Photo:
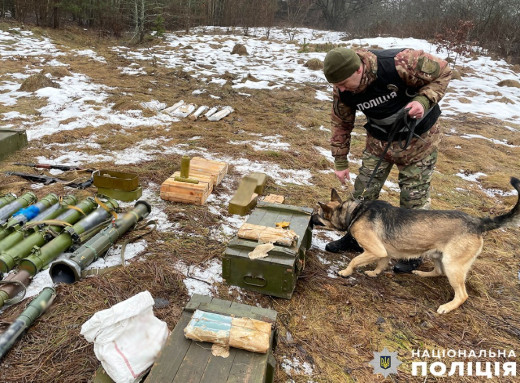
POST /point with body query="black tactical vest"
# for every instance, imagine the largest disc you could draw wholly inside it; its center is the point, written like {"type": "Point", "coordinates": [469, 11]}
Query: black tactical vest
{"type": "Point", "coordinates": [385, 97]}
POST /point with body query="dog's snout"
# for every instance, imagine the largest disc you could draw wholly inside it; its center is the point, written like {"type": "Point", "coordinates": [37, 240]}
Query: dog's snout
{"type": "Point", "coordinates": [315, 221]}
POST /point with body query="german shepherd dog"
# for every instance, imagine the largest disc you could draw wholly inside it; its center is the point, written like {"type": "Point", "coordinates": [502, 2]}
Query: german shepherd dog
{"type": "Point", "coordinates": [452, 239]}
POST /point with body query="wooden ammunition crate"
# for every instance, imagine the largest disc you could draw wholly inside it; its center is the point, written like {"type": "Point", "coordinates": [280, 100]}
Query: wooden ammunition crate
{"type": "Point", "coordinates": [209, 174]}
{"type": "Point", "coordinates": [183, 360]}
{"type": "Point", "coordinates": [277, 273]}
{"type": "Point", "coordinates": [186, 192]}
{"type": "Point", "coordinates": [216, 169]}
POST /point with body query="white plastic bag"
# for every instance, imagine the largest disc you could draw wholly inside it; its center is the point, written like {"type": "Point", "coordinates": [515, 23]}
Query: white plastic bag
{"type": "Point", "coordinates": [127, 337]}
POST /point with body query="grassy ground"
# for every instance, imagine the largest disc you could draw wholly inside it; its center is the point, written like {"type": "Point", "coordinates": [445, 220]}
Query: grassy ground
{"type": "Point", "coordinates": [333, 324]}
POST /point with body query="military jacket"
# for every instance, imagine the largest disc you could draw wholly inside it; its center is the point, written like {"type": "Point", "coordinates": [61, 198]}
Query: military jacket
{"type": "Point", "coordinates": [412, 74]}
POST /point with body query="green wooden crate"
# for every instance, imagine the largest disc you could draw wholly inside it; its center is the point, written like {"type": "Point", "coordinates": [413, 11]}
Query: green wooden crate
{"type": "Point", "coordinates": [185, 361]}
{"type": "Point", "coordinates": [277, 273]}
{"type": "Point", "coordinates": [11, 140]}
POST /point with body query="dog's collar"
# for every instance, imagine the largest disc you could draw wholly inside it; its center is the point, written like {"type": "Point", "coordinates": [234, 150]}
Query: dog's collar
{"type": "Point", "coordinates": [356, 213]}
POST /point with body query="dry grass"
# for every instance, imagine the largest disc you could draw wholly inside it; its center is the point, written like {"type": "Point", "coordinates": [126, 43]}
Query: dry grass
{"type": "Point", "coordinates": [332, 323]}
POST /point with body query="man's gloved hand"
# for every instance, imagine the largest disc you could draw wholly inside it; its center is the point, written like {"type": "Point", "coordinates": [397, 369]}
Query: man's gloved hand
{"type": "Point", "coordinates": [416, 109]}
{"type": "Point", "coordinates": [342, 175]}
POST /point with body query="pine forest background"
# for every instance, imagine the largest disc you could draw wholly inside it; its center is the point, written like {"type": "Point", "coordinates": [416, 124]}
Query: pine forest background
{"type": "Point", "coordinates": [459, 23]}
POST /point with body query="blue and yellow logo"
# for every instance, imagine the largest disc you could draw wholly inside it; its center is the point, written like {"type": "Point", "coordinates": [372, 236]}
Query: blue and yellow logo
{"type": "Point", "coordinates": [385, 362]}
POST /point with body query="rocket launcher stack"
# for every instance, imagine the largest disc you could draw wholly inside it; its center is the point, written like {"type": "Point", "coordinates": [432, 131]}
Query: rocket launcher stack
{"type": "Point", "coordinates": [9, 258]}
{"type": "Point", "coordinates": [41, 257]}
{"type": "Point", "coordinates": [12, 207]}
{"type": "Point", "coordinates": [4, 200]}
{"type": "Point", "coordinates": [25, 214]}
{"type": "Point", "coordinates": [19, 233]}
{"type": "Point", "coordinates": [68, 270]}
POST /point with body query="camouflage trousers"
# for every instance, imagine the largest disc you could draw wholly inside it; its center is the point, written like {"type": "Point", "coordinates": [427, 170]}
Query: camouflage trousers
{"type": "Point", "coordinates": [415, 164]}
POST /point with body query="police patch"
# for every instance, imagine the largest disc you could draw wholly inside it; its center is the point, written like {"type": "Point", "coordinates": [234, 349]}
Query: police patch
{"type": "Point", "coordinates": [428, 66]}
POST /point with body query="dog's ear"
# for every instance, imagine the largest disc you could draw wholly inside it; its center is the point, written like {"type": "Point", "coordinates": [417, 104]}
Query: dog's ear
{"type": "Point", "coordinates": [326, 209]}
{"type": "Point", "coordinates": [334, 196]}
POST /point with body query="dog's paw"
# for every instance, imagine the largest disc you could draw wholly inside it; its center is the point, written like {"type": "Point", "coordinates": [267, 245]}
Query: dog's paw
{"type": "Point", "coordinates": [444, 309]}
{"type": "Point", "coordinates": [344, 273]}
{"type": "Point", "coordinates": [371, 273]}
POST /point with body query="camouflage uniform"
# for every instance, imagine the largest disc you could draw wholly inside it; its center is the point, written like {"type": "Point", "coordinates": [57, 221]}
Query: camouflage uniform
{"type": "Point", "coordinates": [420, 70]}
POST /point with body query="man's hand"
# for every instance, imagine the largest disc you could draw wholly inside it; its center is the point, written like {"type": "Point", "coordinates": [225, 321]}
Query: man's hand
{"type": "Point", "coordinates": [416, 109]}
{"type": "Point", "coordinates": [342, 175]}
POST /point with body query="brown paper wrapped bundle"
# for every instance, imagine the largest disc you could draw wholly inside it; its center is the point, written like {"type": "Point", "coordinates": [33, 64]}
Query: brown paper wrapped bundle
{"type": "Point", "coordinates": [267, 234]}
{"type": "Point", "coordinates": [250, 334]}
{"type": "Point", "coordinates": [245, 333]}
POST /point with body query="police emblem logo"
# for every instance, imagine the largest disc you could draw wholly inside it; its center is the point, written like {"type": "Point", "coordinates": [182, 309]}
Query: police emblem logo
{"type": "Point", "coordinates": [385, 362]}
{"type": "Point", "coordinates": [392, 87]}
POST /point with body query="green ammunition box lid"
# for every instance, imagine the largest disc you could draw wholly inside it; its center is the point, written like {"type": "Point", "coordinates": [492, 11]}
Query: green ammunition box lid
{"type": "Point", "coordinates": [122, 195]}
{"type": "Point", "coordinates": [185, 360]}
{"type": "Point", "coordinates": [112, 179]}
{"type": "Point", "coordinates": [11, 140]}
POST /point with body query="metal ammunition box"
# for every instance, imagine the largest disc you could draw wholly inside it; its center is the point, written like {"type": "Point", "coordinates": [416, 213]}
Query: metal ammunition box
{"type": "Point", "coordinates": [183, 360]}
{"type": "Point", "coordinates": [111, 179]}
{"type": "Point", "coordinates": [277, 273]}
{"type": "Point", "coordinates": [11, 140]}
{"type": "Point", "coordinates": [122, 195]}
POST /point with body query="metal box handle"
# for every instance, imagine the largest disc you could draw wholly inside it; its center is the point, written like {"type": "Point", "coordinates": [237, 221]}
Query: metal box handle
{"type": "Point", "coordinates": [262, 281]}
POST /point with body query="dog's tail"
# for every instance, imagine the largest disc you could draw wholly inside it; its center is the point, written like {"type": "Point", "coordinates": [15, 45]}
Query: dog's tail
{"type": "Point", "coordinates": [512, 218]}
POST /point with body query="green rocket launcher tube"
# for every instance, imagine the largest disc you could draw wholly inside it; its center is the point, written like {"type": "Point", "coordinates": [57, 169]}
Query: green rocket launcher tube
{"type": "Point", "coordinates": [41, 257]}
{"type": "Point", "coordinates": [26, 214]}
{"type": "Point", "coordinates": [12, 285]}
{"type": "Point", "coordinates": [36, 308]}
{"type": "Point", "coordinates": [68, 270]}
{"type": "Point", "coordinates": [19, 203]}
{"type": "Point", "coordinates": [19, 233]}
{"type": "Point", "coordinates": [9, 197]}
{"type": "Point", "coordinates": [10, 257]}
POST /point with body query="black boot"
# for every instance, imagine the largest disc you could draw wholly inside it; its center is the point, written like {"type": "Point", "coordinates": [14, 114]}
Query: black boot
{"type": "Point", "coordinates": [407, 265]}
{"type": "Point", "coordinates": [345, 243]}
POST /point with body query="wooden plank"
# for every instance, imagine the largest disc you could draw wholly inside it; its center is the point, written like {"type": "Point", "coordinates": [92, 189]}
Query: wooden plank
{"type": "Point", "coordinates": [219, 303]}
{"type": "Point", "coordinates": [218, 368]}
{"type": "Point", "coordinates": [172, 190]}
{"type": "Point", "coordinates": [194, 363]}
{"type": "Point", "coordinates": [195, 301]}
{"type": "Point", "coordinates": [274, 198]}
{"type": "Point", "coordinates": [171, 356]}
{"type": "Point", "coordinates": [201, 177]}
{"type": "Point", "coordinates": [266, 315]}
{"type": "Point", "coordinates": [217, 169]}
{"type": "Point", "coordinates": [186, 361]}
{"type": "Point", "coordinates": [248, 367]}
